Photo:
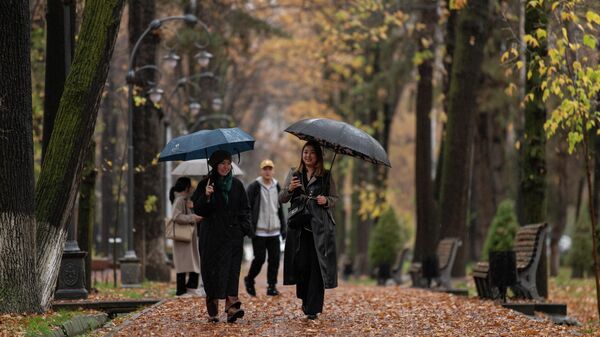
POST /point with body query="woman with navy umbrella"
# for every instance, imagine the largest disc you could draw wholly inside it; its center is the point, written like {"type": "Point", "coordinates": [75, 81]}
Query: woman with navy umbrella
{"type": "Point", "coordinates": [221, 200]}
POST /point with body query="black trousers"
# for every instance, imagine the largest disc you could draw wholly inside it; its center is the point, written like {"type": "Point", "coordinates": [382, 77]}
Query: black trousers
{"type": "Point", "coordinates": [309, 282]}
{"type": "Point", "coordinates": [192, 282]}
{"type": "Point", "coordinates": [261, 246]}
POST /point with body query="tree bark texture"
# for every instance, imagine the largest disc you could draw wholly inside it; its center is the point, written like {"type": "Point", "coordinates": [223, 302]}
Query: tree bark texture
{"type": "Point", "coordinates": [533, 178]}
{"type": "Point", "coordinates": [74, 125]}
{"type": "Point", "coordinates": [471, 33]}
{"type": "Point", "coordinates": [427, 227]}
{"type": "Point", "coordinates": [85, 219]}
{"type": "Point", "coordinates": [60, 42]}
{"type": "Point", "coordinates": [147, 142]}
{"type": "Point", "coordinates": [18, 282]}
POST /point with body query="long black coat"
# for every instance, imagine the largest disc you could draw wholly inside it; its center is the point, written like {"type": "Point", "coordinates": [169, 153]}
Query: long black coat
{"type": "Point", "coordinates": [221, 236]}
{"type": "Point", "coordinates": [323, 230]}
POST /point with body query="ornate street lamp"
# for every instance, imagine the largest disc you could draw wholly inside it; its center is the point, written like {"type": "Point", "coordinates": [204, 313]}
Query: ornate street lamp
{"type": "Point", "coordinates": [217, 104]}
{"type": "Point", "coordinates": [171, 59]}
{"type": "Point", "coordinates": [194, 108]}
{"type": "Point", "coordinates": [131, 271]}
{"type": "Point", "coordinates": [155, 94]}
{"type": "Point", "coordinates": [203, 58]}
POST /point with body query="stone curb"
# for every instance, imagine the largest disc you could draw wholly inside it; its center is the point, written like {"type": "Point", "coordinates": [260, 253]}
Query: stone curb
{"type": "Point", "coordinates": [78, 325]}
{"type": "Point", "coordinates": [133, 318]}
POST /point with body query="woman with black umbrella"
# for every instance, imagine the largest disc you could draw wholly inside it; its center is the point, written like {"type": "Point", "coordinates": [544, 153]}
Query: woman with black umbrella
{"type": "Point", "coordinates": [221, 200]}
{"type": "Point", "coordinates": [310, 254]}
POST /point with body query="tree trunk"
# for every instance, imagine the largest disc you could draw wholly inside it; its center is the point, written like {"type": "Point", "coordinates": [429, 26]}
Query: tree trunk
{"type": "Point", "coordinates": [60, 41]}
{"type": "Point", "coordinates": [483, 198]}
{"type": "Point", "coordinates": [427, 229]}
{"type": "Point", "coordinates": [85, 219]}
{"type": "Point", "coordinates": [596, 201]}
{"type": "Point", "coordinates": [74, 126]}
{"type": "Point", "coordinates": [533, 178]}
{"type": "Point", "coordinates": [109, 160]}
{"type": "Point", "coordinates": [560, 206]}
{"type": "Point", "coordinates": [447, 61]}
{"type": "Point", "coordinates": [364, 176]}
{"type": "Point", "coordinates": [148, 224]}
{"type": "Point", "coordinates": [18, 275]}
{"type": "Point", "coordinates": [471, 32]}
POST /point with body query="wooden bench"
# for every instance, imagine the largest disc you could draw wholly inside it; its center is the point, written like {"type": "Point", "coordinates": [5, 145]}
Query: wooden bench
{"type": "Point", "coordinates": [528, 246]}
{"type": "Point", "coordinates": [101, 269]}
{"type": "Point", "coordinates": [446, 254]}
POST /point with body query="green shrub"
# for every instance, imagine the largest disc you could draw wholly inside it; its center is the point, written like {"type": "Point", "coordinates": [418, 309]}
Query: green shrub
{"type": "Point", "coordinates": [503, 229]}
{"type": "Point", "coordinates": [580, 255]}
{"type": "Point", "coordinates": [386, 239]}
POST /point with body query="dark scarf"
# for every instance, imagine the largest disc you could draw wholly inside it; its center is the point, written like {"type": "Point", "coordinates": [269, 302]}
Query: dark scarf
{"type": "Point", "coordinates": [224, 184]}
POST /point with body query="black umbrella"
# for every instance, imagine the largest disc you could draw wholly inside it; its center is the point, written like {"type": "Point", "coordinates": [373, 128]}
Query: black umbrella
{"type": "Point", "coordinates": [342, 138]}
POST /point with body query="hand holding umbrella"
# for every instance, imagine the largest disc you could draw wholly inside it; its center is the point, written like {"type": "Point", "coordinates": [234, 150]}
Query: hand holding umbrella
{"type": "Point", "coordinates": [209, 189]}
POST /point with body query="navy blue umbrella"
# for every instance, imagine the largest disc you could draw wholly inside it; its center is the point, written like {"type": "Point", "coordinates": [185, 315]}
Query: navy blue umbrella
{"type": "Point", "coordinates": [203, 143]}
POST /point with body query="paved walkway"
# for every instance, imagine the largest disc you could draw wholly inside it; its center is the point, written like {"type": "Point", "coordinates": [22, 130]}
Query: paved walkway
{"type": "Point", "coordinates": [350, 310]}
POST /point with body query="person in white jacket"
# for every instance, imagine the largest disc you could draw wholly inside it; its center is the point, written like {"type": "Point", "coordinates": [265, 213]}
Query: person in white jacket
{"type": "Point", "coordinates": [185, 254]}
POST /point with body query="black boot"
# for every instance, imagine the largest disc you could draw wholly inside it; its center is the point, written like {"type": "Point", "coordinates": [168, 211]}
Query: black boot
{"type": "Point", "coordinates": [272, 290]}
{"type": "Point", "coordinates": [181, 289]}
{"type": "Point", "coordinates": [249, 286]}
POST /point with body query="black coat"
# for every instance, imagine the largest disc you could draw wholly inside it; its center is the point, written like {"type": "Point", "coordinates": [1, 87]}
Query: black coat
{"type": "Point", "coordinates": [220, 236]}
{"type": "Point", "coordinates": [323, 230]}
{"type": "Point", "coordinates": [254, 198]}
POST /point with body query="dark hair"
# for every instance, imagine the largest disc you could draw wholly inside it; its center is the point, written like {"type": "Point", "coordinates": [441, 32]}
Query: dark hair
{"type": "Point", "coordinates": [181, 185]}
{"type": "Point", "coordinates": [319, 167]}
{"type": "Point", "coordinates": [218, 157]}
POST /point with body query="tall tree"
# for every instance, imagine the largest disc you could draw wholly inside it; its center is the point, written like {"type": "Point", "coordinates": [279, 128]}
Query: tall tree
{"type": "Point", "coordinates": [85, 218]}
{"type": "Point", "coordinates": [18, 278]}
{"type": "Point", "coordinates": [108, 153]}
{"type": "Point", "coordinates": [427, 228]}
{"type": "Point", "coordinates": [147, 141]}
{"type": "Point", "coordinates": [73, 129]}
{"type": "Point", "coordinates": [533, 155]}
{"type": "Point", "coordinates": [471, 35]}
{"type": "Point", "coordinates": [495, 111]}
{"type": "Point", "coordinates": [60, 41]}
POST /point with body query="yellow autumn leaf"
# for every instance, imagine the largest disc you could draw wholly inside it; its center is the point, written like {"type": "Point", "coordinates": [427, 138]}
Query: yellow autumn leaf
{"type": "Point", "coordinates": [592, 17]}
{"type": "Point", "coordinates": [457, 4]}
{"type": "Point", "coordinates": [541, 33]}
{"type": "Point", "coordinates": [519, 64]}
{"type": "Point", "coordinates": [531, 41]}
{"type": "Point", "coordinates": [510, 89]}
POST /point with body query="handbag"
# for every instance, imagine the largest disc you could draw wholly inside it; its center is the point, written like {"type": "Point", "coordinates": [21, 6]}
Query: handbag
{"type": "Point", "coordinates": [298, 215]}
{"type": "Point", "coordinates": [178, 232]}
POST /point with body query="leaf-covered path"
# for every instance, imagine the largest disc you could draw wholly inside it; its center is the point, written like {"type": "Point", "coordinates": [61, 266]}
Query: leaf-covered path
{"type": "Point", "coordinates": [350, 310]}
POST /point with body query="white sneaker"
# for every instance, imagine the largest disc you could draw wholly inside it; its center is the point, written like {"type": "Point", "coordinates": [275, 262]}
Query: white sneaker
{"type": "Point", "coordinates": [196, 292]}
{"type": "Point", "coordinates": [184, 295]}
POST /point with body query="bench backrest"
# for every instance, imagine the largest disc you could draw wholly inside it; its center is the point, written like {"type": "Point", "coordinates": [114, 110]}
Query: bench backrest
{"type": "Point", "coordinates": [527, 244]}
{"type": "Point", "coordinates": [444, 251]}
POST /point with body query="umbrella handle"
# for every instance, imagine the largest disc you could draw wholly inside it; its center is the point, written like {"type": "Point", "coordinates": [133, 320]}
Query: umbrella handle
{"type": "Point", "coordinates": [327, 181]}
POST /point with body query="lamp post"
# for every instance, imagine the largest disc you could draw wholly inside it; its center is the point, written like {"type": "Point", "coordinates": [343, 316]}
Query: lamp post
{"type": "Point", "coordinates": [195, 104]}
{"type": "Point", "coordinates": [206, 100]}
{"type": "Point", "coordinates": [131, 271]}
